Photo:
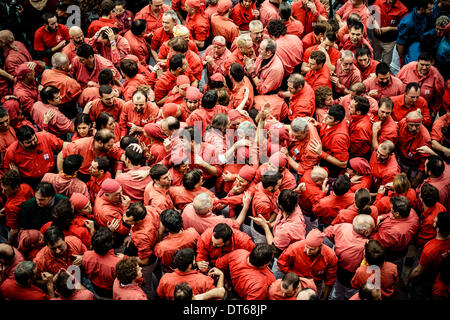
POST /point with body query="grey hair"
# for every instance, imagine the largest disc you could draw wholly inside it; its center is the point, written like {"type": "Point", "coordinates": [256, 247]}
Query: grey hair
{"type": "Point", "coordinates": [347, 53]}
{"type": "Point", "coordinates": [244, 39]}
{"type": "Point", "coordinates": [413, 114]}
{"type": "Point", "coordinates": [24, 272]}
{"type": "Point", "coordinates": [172, 14]}
{"type": "Point", "coordinates": [220, 39]}
{"type": "Point", "coordinates": [246, 129]}
{"type": "Point", "coordinates": [363, 223]}
{"type": "Point", "coordinates": [442, 21]}
{"type": "Point", "coordinates": [271, 45]}
{"type": "Point", "coordinates": [297, 80]}
{"type": "Point", "coordinates": [58, 59]}
{"type": "Point", "coordinates": [202, 201]}
{"type": "Point", "coordinates": [299, 124]}
{"type": "Point", "coordinates": [254, 24]}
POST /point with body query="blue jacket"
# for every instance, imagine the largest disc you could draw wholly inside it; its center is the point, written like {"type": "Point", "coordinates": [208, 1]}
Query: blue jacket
{"type": "Point", "coordinates": [411, 28]}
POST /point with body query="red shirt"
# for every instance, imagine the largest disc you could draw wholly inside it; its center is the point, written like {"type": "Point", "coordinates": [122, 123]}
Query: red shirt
{"type": "Point", "coordinates": [441, 183]}
{"type": "Point", "coordinates": [199, 283]}
{"type": "Point", "coordinates": [68, 87]}
{"type": "Point", "coordinates": [426, 230]}
{"type": "Point", "coordinates": [147, 14]}
{"type": "Point", "coordinates": [164, 85]}
{"type": "Point", "coordinates": [388, 131]}
{"type": "Point", "coordinates": [14, 203]}
{"type": "Point", "coordinates": [64, 185]}
{"type": "Point", "coordinates": [302, 103]}
{"type": "Point", "coordinates": [78, 295]}
{"type": "Point", "coordinates": [71, 50]}
{"type": "Point", "coordinates": [400, 110]}
{"type": "Point", "coordinates": [58, 125]}
{"type": "Point", "coordinates": [436, 131]}
{"type": "Point", "coordinates": [182, 197]}
{"type": "Point", "coordinates": [319, 78]}
{"type": "Point", "coordinates": [34, 164]}
{"type": "Point", "coordinates": [275, 293]}
{"type": "Point", "coordinates": [312, 195]}
{"type": "Point", "coordinates": [44, 39]}
{"type": "Point", "coordinates": [115, 55]}
{"type": "Point", "coordinates": [294, 27]}
{"type": "Point", "coordinates": [101, 270]}
{"type": "Point", "coordinates": [346, 44]}
{"type": "Point", "coordinates": [166, 248]}
{"type": "Point", "coordinates": [433, 253]}
{"type": "Point", "coordinates": [309, 40]}
{"type": "Point", "coordinates": [360, 135]}
{"type": "Point", "coordinates": [105, 212]}
{"type": "Point", "coordinates": [347, 215]}
{"type": "Point", "coordinates": [321, 267]}
{"type": "Point", "coordinates": [268, 11]}
{"type": "Point", "coordinates": [157, 198]}
{"type": "Point", "coordinates": [299, 151]}
{"type": "Point", "coordinates": [394, 88]}
{"type": "Point", "coordinates": [131, 187]}
{"type": "Point", "coordinates": [249, 282]}
{"type": "Point", "coordinates": [198, 25]}
{"type": "Point", "coordinates": [431, 85]}
{"type": "Point", "coordinates": [369, 70]}
{"type": "Point", "coordinates": [383, 172]}
{"type": "Point", "coordinates": [159, 37]}
{"type": "Point", "coordinates": [306, 16]}
{"type": "Point", "coordinates": [383, 203]}
{"type": "Point", "coordinates": [202, 222]}
{"type": "Point", "coordinates": [6, 139]}
{"type": "Point", "coordinates": [346, 79]}
{"type": "Point", "coordinates": [225, 27]}
{"type": "Point", "coordinates": [270, 76]}
{"type": "Point", "coordinates": [81, 232]}
{"type": "Point", "coordinates": [396, 234]}
{"type": "Point", "coordinates": [138, 47]}
{"type": "Point", "coordinates": [348, 245]}
{"type": "Point", "coordinates": [8, 269]}
{"type": "Point", "coordinates": [264, 203]}
{"type": "Point", "coordinates": [130, 85]}
{"type": "Point", "coordinates": [82, 75]}
{"type": "Point", "coordinates": [202, 117]}
{"type": "Point", "coordinates": [328, 208]}
{"type": "Point", "coordinates": [290, 52]}
{"type": "Point", "coordinates": [348, 8]}
{"type": "Point", "coordinates": [390, 14]}
{"type": "Point", "coordinates": [129, 114]}
{"type": "Point", "coordinates": [46, 262]}
{"type": "Point", "coordinates": [130, 291]}
{"type": "Point", "coordinates": [98, 107]}
{"type": "Point", "coordinates": [388, 278]}
{"type": "Point", "coordinates": [336, 140]}
{"type": "Point", "coordinates": [333, 53]}
{"type": "Point", "coordinates": [95, 185]}
{"type": "Point", "coordinates": [27, 95]}
{"type": "Point", "coordinates": [11, 290]}
{"type": "Point", "coordinates": [207, 252]}
{"type": "Point", "coordinates": [14, 58]}
{"type": "Point", "coordinates": [407, 145]}
{"type": "Point", "coordinates": [144, 234]}
{"type": "Point", "coordinates": [96, 25]}
{"type": "Point", "coordinates": [242, 16]}
{"type": "Point", "coordinates": [85, 147]}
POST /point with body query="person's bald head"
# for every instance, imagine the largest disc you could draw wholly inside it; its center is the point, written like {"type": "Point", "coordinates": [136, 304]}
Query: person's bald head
{"type": "Point", "coordinates": [307, 294]}
{"type": "Point", "coordinates": [60, 61]}
{"type": "Point", "coordinates": [387, 145]}
{"type": "Point", "coordinates": [6, 38]}
{"type": "Point", "coordinates": [76, 35]}
{"type": "Point", "coordinates": [6, 253]}
{"type": "Point", "coordinates": [220, 39]}
{"type": "Point", "coordinates": [318, 175]}
{"type": "Point", "coordinates": [202, 203]}
{"type": "Point", "coordinates": [363, 224]}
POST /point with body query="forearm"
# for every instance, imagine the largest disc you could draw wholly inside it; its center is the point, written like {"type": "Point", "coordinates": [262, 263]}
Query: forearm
{"type": "Point", "coordinates": [401, 50]}
{"type": "Point", "coordinates": [242, 215]}
{"type": "Point", "coordinates": [212, 170]}
{"type": "Point", "coordinates": [325, 293]}
{"type": "Point", "coordinates": [59, 161]}
{"type": "Point", "coordinates": [293, 164]}
{"type": "Point", "coordinates": [336, 162]}
{"type": "Point", "coordinates": [6, 75]}
{"type": "Point", "coordinates": [269, 235]}
{"type": "Point", "coordinates": [154, 55]}
{"type": "Point", "coordinates": [438, 147]}
{"type": "Point", "coordinates": [374, 140]}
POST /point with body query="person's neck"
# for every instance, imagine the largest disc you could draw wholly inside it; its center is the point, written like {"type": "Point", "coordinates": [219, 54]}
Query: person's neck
{"type": "Point", "coordinates": [441, 237]}
{"type": "Point", "coordinates": [157, 185]}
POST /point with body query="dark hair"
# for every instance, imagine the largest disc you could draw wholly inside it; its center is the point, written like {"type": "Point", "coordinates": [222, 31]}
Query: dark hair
{"type": "Point", "coordinates": [104, 89]}
{"type": "Point", "coordinates": [178, 44]}
{"type": "Point", "coordinates": [334, 25]}
{"type": "Point", "coordinates": [183, 258]}
{"type": "Point", "coordinates": [85, 51]}
{"type": "Point", "coordinates": [330, 35]}
{"type": "Point", "coordinates": [47, 15]}
{"type": "Point", "coordinates": [374, 253]}
{"type": "Point", "coordinates": [72, 163]}
{"type": "Point", "coordinates": [103, 163]}
{"type": "Point", "coordinates": [319, 56]}
{"type": "Point", "coordinates": [171, 220]}
{"type": "Point", "coordinates": [365, 292]}
{"type": "Point", "coordinates": [12, 179]}
{"type": "Point", "coordinates": [363, 51]}
{"type": "Point", "coordinates": [45, 189]}
{"type": "Point", "coordinates": [290, 279]}
{"type": "Point", "coordinates": [157, 171]}
{"type": "Point", "coordinates": [24, 133]}
{"type": "Point", "coordinates": [182, 292]}
{"type": "Point", "coordinates": [386, 101]}
{"type": "Point", "coordinates": [83, 118]}
{"type": "Point", "coordinates": [435, 164]}
{"type": "Point", "coordinates": [219, 122]}
{"type": "Point", "coordinates": [191, 133]}
{"type": "Point", "coordinates": [136, 210]}
{"type": "Point", "coordinates": [136, 158]}
{"type": "Point", "coordinates": [337, 112]}
{"type": "Point", "coordinates": [209, 99]}
{"type": "Point", "coordinates": [138, 27]}
{"type": "Point", "coordinates": [176, 61]}
{"type": "Point", "coordinates": [287, 200]}
{"type": "Point", "coordinates": [357, 26]}
{"type": "Point", "coordinates": [102, 120]}
{"type": "Point", "coordinates": [261, 254]}
{"type": "Point", "coordinates": [223, 231]}
{"type": "Point", "coordinates": [129, 67]}
{"type": "Point", "coordinates": [401, 205]}
{"type": "Point", "coordinates": [237, 71]}
{"type": "Point", "coordinates": [423, 4]}
{"type": "Point", "coordinates": [125, 141]}
{"type": "Point", "coordinates": [285, 10]}
{"type": "Point", "coordinates": [106, 7]}
{"type": "Point", "coordinates": [362, 104]}
{"type": "Point", "coordinates": [443, 223]}
{"type": "Point", "coordinates": [362, 201]}
{"type": "Point", "coordinates": [48, 93]}
{"type": "Point", "coordinates": [126, 270]}
{"type": "Point", "coordinates": [24, 272]}
{"type": "Point", "coordinates": [61, 284]}
{"type": "Point", "coordinates": [411, 85]}
{"type": "Point", "coordinates": [53, 234]}
{"type": "Point", "coordinates": [270, 178]}
{"type": "Point", "coordinates": [382, 68]}
{"type": "Point", "coordinates": [3, 112]}
{"type": "Point", "coordinates": [63, 214]}
{"type": "Point", "coordinates": [102, 241]}
{"type": "Point", "coordinates": [276, 28]}
{"type": "Point", "coordinates": [429, 194]}
{"type": "Point", "coordinates": [191, 178]}
{"type": "Point", "coordinates": [105, 76]}
{"type": "Point", "coordinates": [320, 28]}
{"type": "Point", "coordinates": [341, 185]}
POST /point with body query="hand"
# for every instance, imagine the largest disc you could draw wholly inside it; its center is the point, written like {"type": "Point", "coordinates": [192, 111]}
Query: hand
{"type": "Point", "coordinates": [246, 92]}
{"type": "Point", "coordinates": [281, 94]}
{"type": "Point", "coordinates": [89, 224]}
{"type": "Point", "coordinates": [136, 147]}
{"type": "Point", "coordinates": [209, 60]}
{"type": "Point", "coordinates": [381, 189]}
{"type": "Point", "coordinates": [316, 147]}
{"type": "Point", "coordinates": [61, 44]}
{"type": "Point", "coordinates": [2, 212]}
{"type": "Point", "coordinates": [110, 33]}
{"type": "Point", "coordinates": [312, 6]}
{"type": "Point", "coordinates": [87, 107]}
{"type": "Point", "coordinates": [151, 95]}
{"type": "Point", "coordinates": [300, 188]}
{"type": "Point", "coordinates": [127, 241]}
{"type": "Point", "coordinates": [247, 199]}
{"type": "Point", "coordinates": [135, 129]}
{"type": "Point", "coordinates": [113, 225]}
{"type": "Point", "coordinates": [244, 113]}
{"type": "Point", "coordinates": [198, 159]}
{"type": "Point", "coordinates": [126, 201]}
{"type": "Point", "coordinates": [378, 30]}
{"type": "Point", "coordinates": [31, 65]}
{"type": "Point", "coordinates": [49, 116]}
{"type": "Point", "coordinates": [167, 144]}
{"type": "Point", "coordinates": [325, 186]}
{"type": "Point", "coordinates": [203, 266]}
{"type": "Point", "coordinates": [255, 14]}
{"type": "Point", "coordinates": [425, 149]}
{"type": "Point", "coordinates": [215, 272]}
{"type": "Point", "coordinates": [335, 80]}
{"type": "Point", "coordinates": [78, 259]}
{"type": "Point", "coordinates": [227, 176]}
{"type": "Point", "coordinates": [13, 166]}
{"type": "Point", "coordinates": [260, 221]}
{"type": "Point", "coordinates": [139, 175]}
{"type": "Point", "coordinates": [243, 143]}
{"type": "Point", "coordinates": [40, 87]}
{"type": "Point", "coordinates": [47, 277]}
{"type": "Point", "coordinates": [376, 126]}
{"type": "Point", "coordinates": [355, 179]}
{"type": "Point", "coordinates": [284, 151]}
{"type": "Point", "coordinates": [175, 90]}
{"type": "Point", "coordinates": [373, 93]}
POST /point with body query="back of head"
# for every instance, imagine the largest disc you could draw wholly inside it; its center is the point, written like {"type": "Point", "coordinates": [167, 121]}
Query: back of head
{"type": "Point", "coordinates": [261, 255]}
{"type": "Point", "coordinates": [276, 28]}
{"type": "Point", "coordinates": [202, 203]}
{"type": "Point", "coordinates": [183, 258]}
{"type": "Point", "coordinates": [223, 231]}
{"type": "Point", "coordinates": [299, 124]}
{"type": "Point", "coordinates": [129, 68]}
{"type": "Point", "coordinates": [237, 72]}
{"type": "Point", "coordinates": [341, 185]}
{"type": "Point", "coordinates": [362, 201]}
{"type": "Point", "coordinates": [24, 273]}
{"type": "Point", "coordinates": [63, 214]}
{"type": "Point", "coordinates": [382, 68]}
{"type": "Point", "coordinates": [363, 224]}
{"type": "Point", "coordinates": [61, 286]}
{"type": "Point", "coordinates": [179, 44]}
{"type": "Point", "coordinates": [307, 294]}
{"type": "Point", "coordinates": [375, 253]}
{"type": "Point", "coordinates": [45, 189]}
{"type": "Point", "coordinates": [126, 270]}
{"type": "Point", "coordinates": [136, 210]}
{"type": "Point", "coordinates": [443, 224]}
{"type": "Point", "coordinates": [106, 7]}
{"type": "Point", "coordinates": [104, 135]}
{"type": "Point", "coordinates": [362, 104]}
{"type": "Point", "coordinates": [191, 178]}
{"type": "Point", "coordinates": [388, 145]}
{"type": "Point", "coordinates": [48, 93]}
{"type": "Point", "coordinates": [12, 179]}
{"type": "Point", "coordinates": [401, 183]}
{"type": "Point", "coordinates": [7, 252]}
{"type": "Point", "coordinates": [176, 61]}
{"type": "Point", "coordinates": [105, 76]}
{"type": "Point", "coordinates": [270, 179]}
{"type": "Point", "coordinates": [285, 10]}
{"type": "Point", "coordinates": [72, 164]}
{"type": "Point", "coordinates": [287, 200]}
{"type": "Point", "coordinates": [290, 279]}
{"type": "Point", "coordinates": [365, 292]}
{"type": "Point", "coordinates": [171, 220]}
{"type": "Point", "coordinates": [85, 51]}
{"type": "Point", "coordinates": [401, 205]}
{"type": "Point", "coordinates": [102, 241]}
{"type": "Point", "coordinates": [157, 171]}
{"type": "Point", "coordinates": [209, 99]}
{"type": "Point", "coordinates": [138, 27]}
{"type": "Point", "coordinates": [435, 165]}
{"type": "Point", "coordinates": [429, 194]}
{"type": "Point", "coordinates": [182, 292]}
{"type": "Point", "coordinates": [103, 163]}
{"type": "Point", "coordinates": [136, 158]}
{"type": "Point", "coordinates": [337, 112]}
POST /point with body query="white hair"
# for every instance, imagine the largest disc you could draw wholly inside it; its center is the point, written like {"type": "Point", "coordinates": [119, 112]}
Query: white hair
{"type": "Point", "coordinates": [255, 24]}
{"type": "Point", "coordinates": [59, 59]}
{"type": "Point", "coordinates": [347, 53]}
{"type": "Point", "coordinates": [363, 223]}
{"type": "Point", "coordinates": [299, 124]}
{"type": "Point", "coordinates": [201, 202]}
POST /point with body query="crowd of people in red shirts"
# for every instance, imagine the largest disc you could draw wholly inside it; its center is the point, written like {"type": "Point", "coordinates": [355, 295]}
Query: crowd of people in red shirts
{"type": "Point", "coordinates": [235, 150]}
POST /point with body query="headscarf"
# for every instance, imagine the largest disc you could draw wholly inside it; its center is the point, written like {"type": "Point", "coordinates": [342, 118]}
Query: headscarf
{"type": "Point", "coordinates": [360, 166]}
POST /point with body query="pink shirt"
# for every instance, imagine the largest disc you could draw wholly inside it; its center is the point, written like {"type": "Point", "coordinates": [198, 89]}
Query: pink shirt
{"type": "Point", "coordinates": [348, 78]}
{"type": "Point", "coordinates": [219, 63]}
{"type": "Point", "coordinates": [270, 76]}
{"type": "Point", "coordinates": [394, 88]}
{"type": "Point", "coordinates": [114, 55]}
{"type": "Point", "coordinates": [267, 12]}
{"type": "Point", "coordinates": [58, 125]}
{"type": "Point", "coordinates": [202, 222]}
{"type": "Point", "coordinates": [131, 187]}
{"type": "Point", "coordinates": [348, 8]}
{"type": "Point", "coordinates": [442, 184]}
{"type": "Point", "coordinates": [290, 52]}
{"type": "Point", "coordinates": [348, 245]}
{"type": "Point", "coordinates": [64, 185]}
{"type": "Point", "coordinates": [128, 292]}
{"type": "Point", "coordinates": [78, 295]}
{"type": "Point", "coordinates": [431, 85]}
{"type": "Point", "coordinates": [289, 230]}
{"type": "Point", "coordinates": [82, 75]}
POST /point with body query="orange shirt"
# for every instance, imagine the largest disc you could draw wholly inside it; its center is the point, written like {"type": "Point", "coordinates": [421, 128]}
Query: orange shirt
{"type": "Point", "coordinates": [98, 107]}
{"type": "Point", "coordinates": [130, 115]}
{"type": "Point", "coordinates": [138, 47]}
{"type": "Point", "coordinates": [157, 198]}
{"type": "Point", "coordinates": [68, 87]}
{"type": "Point", "coordinates": [105, 212]}
{"type": "Point", "coordinates": [223, 26]}
{"type": "Point", "coordinates": [333, 53]}
{"type": "Point", "coordinates": [302, 104]}
{"type": "Point", "coordinates": [300, 152]}
{"type": "Point", "coordinates": [242, 16]}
